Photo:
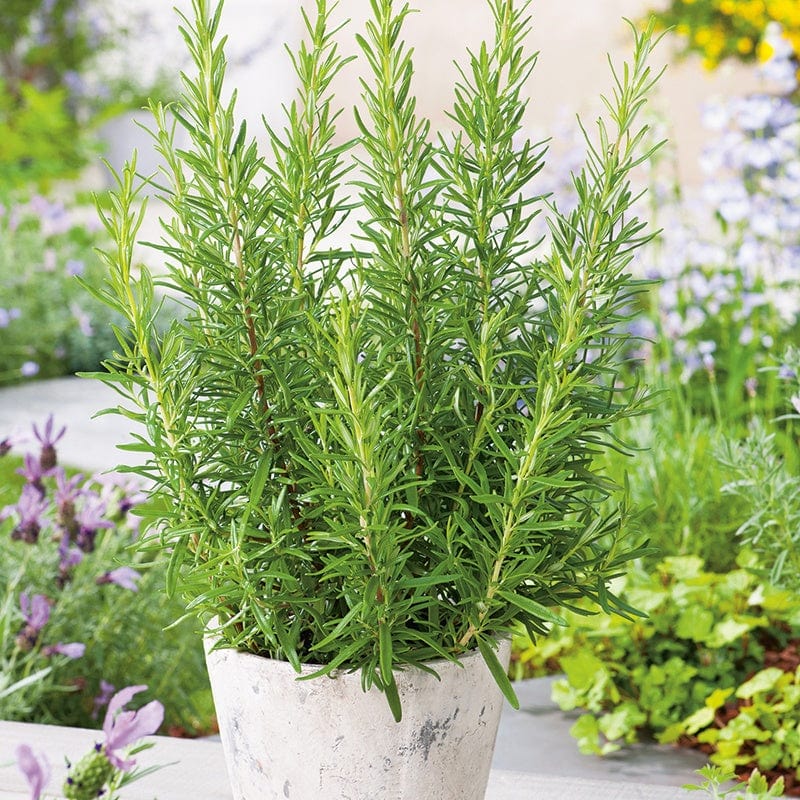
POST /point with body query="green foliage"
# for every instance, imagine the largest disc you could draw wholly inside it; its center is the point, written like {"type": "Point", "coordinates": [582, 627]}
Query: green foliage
{"type": "Point", "coordinates": [757, 785]}
{"type": "Point", "coordinates": [704, 634]}
{"type": "Point", "coordinates": [371, 456]}
{"type": "Point", "coordinates": [770, 493]}
{"type": "Point", "coordinates": [676, 481]}
{"type": "Point", "coordinates": [39, 139]}
{"type": "Point", "coordinates": [764, 731]}
{"type": "Point", "coordinates": [48, 325]}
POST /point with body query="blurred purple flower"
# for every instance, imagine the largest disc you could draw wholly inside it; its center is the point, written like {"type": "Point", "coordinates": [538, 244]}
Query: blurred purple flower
{"type": "Point", "coordinates": [35, 768]}
{"type": "Point", "coordinates": [36, 613]}
{"type": "Point", "coordinates": [70, 649]}
{"type": "Point", "coordinates": [69, 556]}
{"type": "Point", "coordinates": [122, 727]}
{"type": "Point", "coordinates": [35, 610]}
{"type": "Point", "coordinates": [67, 492]}
{"type": "Point", "coordinates": [125, 577]}
{"type": "Point", "coordinates": [29, 511]}
{"type": "Point", "coordinates": [50, 260]}
{"type": "Point", "coordinates": [29, 369]}
{"type": "Point", "coordinates": [75, 266]}
{"type": "Point", "coordinates": [83, 319]}
{"type": "Point", "coordinates": [32, 471]}
{"type": "Point", "coordinates": [90, 517]}
{"type": "Point", "coordinates": [48, 440]}
{"type": "Point", "coordinates": [122, 490]}
{"type": "Point", "coordinates": [103, 697]}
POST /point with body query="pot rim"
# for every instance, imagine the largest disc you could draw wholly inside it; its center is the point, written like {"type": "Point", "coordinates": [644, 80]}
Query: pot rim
{"type": "Point", "coordinates": [308, 668]}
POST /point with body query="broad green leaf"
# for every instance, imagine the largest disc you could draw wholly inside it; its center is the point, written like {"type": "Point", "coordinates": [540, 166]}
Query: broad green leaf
{"type": "Point", "coordinates": [762, 681]}
{"type": "Point", "coordinates": [583, 669]}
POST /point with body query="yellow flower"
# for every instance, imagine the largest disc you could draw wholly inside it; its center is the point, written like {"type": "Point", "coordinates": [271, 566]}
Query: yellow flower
{"type": "Point", "coordinates": [744, 45]}
{"type": "Point", "coordinates": [702, 37]}
{"type": "Point", "coordinates": [764, 51]}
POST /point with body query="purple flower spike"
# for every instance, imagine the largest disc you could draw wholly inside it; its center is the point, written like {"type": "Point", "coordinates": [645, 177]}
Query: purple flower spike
{"type": "Point", "coordinates": [90, 518]}
{"type": "Point", "coordinates": [33, 471]}
{"type": "Point", "coordinates": [48, 441]}
{"type": "Point", "coordinates": [70, 649]}
{"type": "Point", "coordinates": [35, 610]}
{"type": "Point", "coordinates": [36, 613]}
{"type": "Point", "coordinates": [29, 511]}
{"type": "Point", "coordinates": [35, 769]}
{"type": "Point", "coordinates": [122, 727]}
{"type": "Point", "coordinates": [126, 577]}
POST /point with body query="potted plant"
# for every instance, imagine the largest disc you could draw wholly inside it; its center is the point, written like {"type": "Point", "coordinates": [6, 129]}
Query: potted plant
{"type": "Point", "coordinates": [372, 460]}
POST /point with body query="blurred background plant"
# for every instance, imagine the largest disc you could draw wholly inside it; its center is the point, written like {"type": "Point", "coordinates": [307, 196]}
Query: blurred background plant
{"type": "Point", "coordinates": [79, 613]}
{"type": "Point", "coordinates": [56, 86]}
{"type": "Point", "coordinates": [738, 29]}
{"type": "Point", "coordinates": [49, 325]}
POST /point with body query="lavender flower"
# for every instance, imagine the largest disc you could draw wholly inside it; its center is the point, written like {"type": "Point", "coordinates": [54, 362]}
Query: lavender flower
{"type": "Point", "coordinates": [32, 471]}
{"type": "Point", "coordinates": [69, 556]}
{"type": "Point", "coordinates": [35, 768]}
{"type": "Point", "coordinates": [122, 728]}
{"type": "Point", "coordinates": [90, 776]}
{"type": "Point", "coordinates": [35, 610]}
{"type": "Point", "coordinates": [48, 440]}
{"type": "Point", "coordinates": [125, 577]}
{"type": "Point", "coordinates": [70, 649]}
{"type": "Point", "coordinates": [75, 266]}
{"type": "Point", "coordinates": [90, 517]}
{"type": "Point", "coordinates": [36, 614]}
{"type": "Point", "coordinates": [29, 511]}
{"type": "Point", "coordinates": [29, 369]}
{"type": "Point", "coordinates": [123, 490]}
{"type": "Point", "coordinates": [68, 490]}
{"type": "Point", "coordinates": [103, 697]}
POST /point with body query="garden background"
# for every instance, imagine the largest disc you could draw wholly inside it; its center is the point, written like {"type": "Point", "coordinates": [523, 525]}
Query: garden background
{"type": "Point", "coordinates": [714, 470]}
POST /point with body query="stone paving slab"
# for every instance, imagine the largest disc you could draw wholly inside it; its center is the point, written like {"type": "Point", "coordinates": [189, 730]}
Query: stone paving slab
{"type": "Point", "coordinates": [91, 442]}
{"type": "Point", "coordinates": [195, 770]}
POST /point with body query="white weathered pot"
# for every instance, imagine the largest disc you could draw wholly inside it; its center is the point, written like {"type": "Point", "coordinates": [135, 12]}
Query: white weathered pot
{"type": "Point", "coordinates": [326, 738]}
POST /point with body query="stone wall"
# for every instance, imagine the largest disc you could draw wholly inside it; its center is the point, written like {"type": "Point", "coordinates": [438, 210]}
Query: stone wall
{"type": "Point", "coordinates": [571, 73]}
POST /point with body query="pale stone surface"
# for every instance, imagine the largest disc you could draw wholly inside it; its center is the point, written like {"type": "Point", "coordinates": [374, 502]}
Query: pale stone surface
{"type": "Point", "coordinates": [195, 770]}
{"type": "Point", "coordinates": [327, 738]}
{"type": "Point", "coordinates": [90, 442]}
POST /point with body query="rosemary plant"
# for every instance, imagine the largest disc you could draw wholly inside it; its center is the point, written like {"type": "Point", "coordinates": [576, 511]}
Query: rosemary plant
{"type": "Point", "coordinates": [374, 455]}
